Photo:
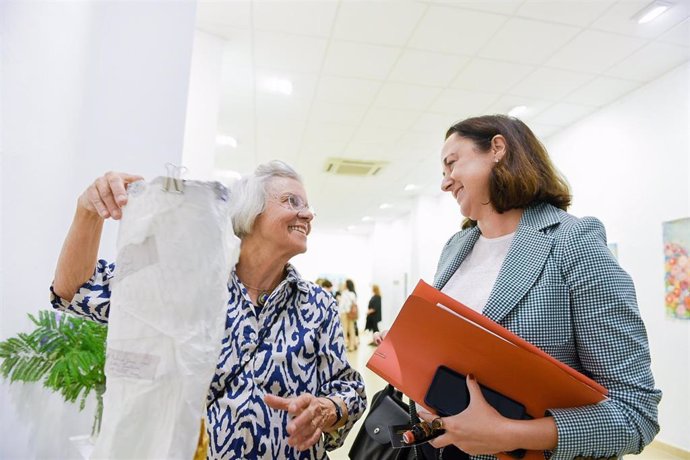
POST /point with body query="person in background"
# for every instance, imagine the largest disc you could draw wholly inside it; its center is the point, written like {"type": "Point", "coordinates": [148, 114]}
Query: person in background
{"type": "Point", "coordinates": [374, 312]}
{"type": "Point", "coordinates": [327, 286]}
{"type": "Point", "coordinates": [549, 277]}
{"type": "Point", "coordinates": [298, 397]}
{"type": "Point", "coordinates": [346, 300]}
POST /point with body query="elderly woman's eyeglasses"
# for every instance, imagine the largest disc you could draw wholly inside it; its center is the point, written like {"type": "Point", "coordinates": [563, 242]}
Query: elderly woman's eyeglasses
{"type": "Point", "coordinates": [294, 203]}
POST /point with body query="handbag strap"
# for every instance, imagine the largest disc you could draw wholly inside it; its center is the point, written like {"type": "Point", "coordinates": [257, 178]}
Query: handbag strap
{"type": "Point", "coordinates": [414, 419]}
{"type": "Point", "coordinates": [390, 390]}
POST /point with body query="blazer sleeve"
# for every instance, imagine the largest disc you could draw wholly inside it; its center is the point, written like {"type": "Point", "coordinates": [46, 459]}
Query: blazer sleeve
{"type": "Point", "coordinates": [612, 347]}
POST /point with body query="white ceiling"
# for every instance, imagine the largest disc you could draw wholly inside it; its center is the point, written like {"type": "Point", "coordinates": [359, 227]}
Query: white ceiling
{"type": "Point", "coordinates": [383, 80]}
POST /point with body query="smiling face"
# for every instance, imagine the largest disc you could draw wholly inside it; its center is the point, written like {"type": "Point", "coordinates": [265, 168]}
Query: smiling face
{"type": "Point", "coordinates": [466, 172]}
{"type": "Point", "coordinates": [281, 229]}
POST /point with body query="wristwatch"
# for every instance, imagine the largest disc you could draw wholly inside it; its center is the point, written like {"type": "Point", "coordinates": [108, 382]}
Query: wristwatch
{"type": "Point", "coordinates": [338, 410]}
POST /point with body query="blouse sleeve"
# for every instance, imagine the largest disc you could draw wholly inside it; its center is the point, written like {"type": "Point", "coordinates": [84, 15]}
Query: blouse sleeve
{"type": "Point", "coordinates": [338, 378]}
{"type": "Point", "coordinates": [92, 300]}
{"type": "Point", "coordinates": [613, 349]}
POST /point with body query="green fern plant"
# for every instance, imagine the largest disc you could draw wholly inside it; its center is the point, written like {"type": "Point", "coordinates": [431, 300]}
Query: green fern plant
{"type": "Point", "coordinates": [66, 353]}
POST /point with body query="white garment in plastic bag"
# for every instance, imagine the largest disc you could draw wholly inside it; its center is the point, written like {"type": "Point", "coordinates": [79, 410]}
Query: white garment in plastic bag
{"type": "Point", "coordinates": [167, 318]}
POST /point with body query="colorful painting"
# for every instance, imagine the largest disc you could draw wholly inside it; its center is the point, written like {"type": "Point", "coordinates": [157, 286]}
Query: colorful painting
{"type": "Point", "coordinates": [677, 267]}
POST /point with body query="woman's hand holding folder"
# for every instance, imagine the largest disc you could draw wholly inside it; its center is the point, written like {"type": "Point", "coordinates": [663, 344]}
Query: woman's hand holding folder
{"type": "Point", "coordinates": [379, 336]}
{"type": "Point", "coordinates": [481, 429]}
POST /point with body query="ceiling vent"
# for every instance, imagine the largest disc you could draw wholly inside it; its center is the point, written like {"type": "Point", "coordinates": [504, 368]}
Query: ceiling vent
{"type": "Point", "coordinates": [344, 166]}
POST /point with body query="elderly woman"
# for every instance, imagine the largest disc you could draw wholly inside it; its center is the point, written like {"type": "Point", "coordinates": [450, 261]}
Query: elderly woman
{"type": "Point", "coordinates": [297, 396]}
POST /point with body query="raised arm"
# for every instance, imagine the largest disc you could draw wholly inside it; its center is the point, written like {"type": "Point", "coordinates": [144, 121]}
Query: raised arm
{"type": "Point", "coordinates": [101, 200]}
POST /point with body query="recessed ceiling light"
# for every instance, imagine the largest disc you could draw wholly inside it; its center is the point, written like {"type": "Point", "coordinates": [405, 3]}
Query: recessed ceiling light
{"type": "Point", "coordinates": [385, 206]}
{"type": "Point", "coordinates": [518, 111]}
{"type": "Point", "coordinates": [277, 85]}
{"type": "Point", "coordinates": [411, 187]}
{"type": "Point", "coordinates": [230, 141]}
{"type": "Point", "coordinates": [651, 12]}
{"type": "Point", "coordinates": [351, 228]}
{"type": "Point", "coordinates": [367, 219]}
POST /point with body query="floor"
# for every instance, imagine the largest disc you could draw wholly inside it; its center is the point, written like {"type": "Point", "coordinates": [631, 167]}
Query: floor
{"type": "Point", "coordinates": [374, 383]}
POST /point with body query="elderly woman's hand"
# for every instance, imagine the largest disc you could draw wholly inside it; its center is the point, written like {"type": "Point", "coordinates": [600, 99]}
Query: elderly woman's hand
{"type": "Point", "coordinates": [311, 416]}
{"type": "Point", "coordinates": [108, 194]}
{"type": "Point", "coordinates": [479, 429]}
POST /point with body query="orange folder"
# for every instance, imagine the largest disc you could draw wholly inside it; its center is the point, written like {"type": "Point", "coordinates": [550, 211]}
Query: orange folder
{"type": "Point", "coordinates": [433, 329]}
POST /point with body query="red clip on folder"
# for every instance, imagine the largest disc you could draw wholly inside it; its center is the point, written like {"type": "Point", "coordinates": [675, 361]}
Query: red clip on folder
{"type": "Point", "coordinates": [433, 329]}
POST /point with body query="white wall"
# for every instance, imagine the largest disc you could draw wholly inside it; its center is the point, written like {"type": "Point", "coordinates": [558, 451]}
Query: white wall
{"type": "Point", "coordinates": [392, 267]}
{"type": "Point", "coordinates": [629, 165]}
{"type": "Point", "coordinates": [2, 256]}
{"type": "Point", "coordinates": [434, 219]}
{"type": "Point", "coordinates": [86, 87]}
{"type": "Point", "coordinates": [337, 256]}
{"type": "Point", "coordinates": [203, 103]}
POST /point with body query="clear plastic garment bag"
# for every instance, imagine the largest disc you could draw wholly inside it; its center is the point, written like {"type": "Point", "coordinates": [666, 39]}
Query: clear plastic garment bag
{"type": "Point", "coordinates": [176, 250]}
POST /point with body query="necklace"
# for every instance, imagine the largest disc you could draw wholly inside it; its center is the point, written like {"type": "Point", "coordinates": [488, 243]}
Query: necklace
{"type": "Point", "coordinates": [262, 294]}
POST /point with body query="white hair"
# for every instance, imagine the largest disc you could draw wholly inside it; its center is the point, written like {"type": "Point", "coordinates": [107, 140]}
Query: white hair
{"type": "Point", "coordinates": [248, 195]}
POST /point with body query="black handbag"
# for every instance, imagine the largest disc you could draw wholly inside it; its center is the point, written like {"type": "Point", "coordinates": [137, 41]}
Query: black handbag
{"type": "Point", "coordinates": [373, 439]}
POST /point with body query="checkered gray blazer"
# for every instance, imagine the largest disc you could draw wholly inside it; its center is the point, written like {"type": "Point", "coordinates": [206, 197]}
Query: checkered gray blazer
{"type": "Point", "coordinates": [561, 289]}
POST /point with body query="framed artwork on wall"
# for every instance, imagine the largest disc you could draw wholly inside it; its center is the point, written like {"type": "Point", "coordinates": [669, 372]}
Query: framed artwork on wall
{"type": "Point", "coordinates": [677, 268]}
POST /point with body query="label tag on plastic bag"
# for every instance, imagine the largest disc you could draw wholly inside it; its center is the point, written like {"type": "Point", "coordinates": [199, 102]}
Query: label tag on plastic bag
{"type": "Point", "coordinates": [132, 365]}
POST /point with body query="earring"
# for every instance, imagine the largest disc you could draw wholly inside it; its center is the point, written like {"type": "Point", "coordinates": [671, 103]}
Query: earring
{"type": "Point", "coordinates": [495, 160]}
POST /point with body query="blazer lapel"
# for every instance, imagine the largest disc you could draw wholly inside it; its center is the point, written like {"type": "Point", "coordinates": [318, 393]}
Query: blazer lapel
{"type": "Point", "coordinates": [453, 255]}
{"type": "Point", "coordinates": [525, 260]}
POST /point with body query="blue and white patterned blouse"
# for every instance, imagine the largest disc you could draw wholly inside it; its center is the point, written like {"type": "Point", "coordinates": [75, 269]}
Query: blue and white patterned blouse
{"type": "Point", "coordinates": [303, 352]}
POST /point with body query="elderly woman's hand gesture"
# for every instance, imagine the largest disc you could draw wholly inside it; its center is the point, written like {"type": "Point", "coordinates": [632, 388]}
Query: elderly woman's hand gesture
{"type": "Point", "coordinates": [107, 194]}
{"type": "Point", "coordinates": [311, 416]}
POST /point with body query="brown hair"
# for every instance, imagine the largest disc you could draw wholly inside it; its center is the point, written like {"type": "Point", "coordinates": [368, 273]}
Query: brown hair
{"type": "Point", "coordinates": [350, 285]}
{"type": "Point", "coordinates": [525, 174]}
{"type": "Point", "coordinates": [375, 289]}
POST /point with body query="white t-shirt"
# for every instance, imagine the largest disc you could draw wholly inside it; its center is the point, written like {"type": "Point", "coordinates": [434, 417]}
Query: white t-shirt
{"type": "Point", "coordinates": [472, 282]}
{"type": "Point", "coordinates": [347, 298]}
